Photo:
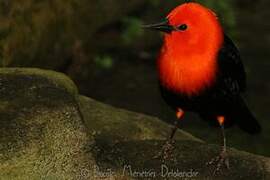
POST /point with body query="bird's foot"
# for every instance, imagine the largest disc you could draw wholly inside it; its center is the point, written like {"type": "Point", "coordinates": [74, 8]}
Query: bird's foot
{"type": "Point", "coordinates": [222, 160]}
{"type": "Point", "coordinates": [166, 153]}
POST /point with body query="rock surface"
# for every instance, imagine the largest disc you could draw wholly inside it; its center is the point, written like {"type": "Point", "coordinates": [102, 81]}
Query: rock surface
{"type": "Point", "coordinates": [49, 131]}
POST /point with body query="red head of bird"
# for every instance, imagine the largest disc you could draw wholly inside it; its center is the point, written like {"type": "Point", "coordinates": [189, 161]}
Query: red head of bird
{"type": "Point", "coordinates": [188, 58]}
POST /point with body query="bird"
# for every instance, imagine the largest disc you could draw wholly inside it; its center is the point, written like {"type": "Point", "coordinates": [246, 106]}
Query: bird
{"type": "Point", "coordinates": [200, 70]}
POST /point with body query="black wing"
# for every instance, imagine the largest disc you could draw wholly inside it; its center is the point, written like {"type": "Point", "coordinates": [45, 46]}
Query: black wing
{"type": "Point", "coordinates": [232, 81]}
{"type": "Point", "coordinates": [231, 70]}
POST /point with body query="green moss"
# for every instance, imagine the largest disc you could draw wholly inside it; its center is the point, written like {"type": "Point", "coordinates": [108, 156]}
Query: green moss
{"type": "Point", "coordinates": [119, 123]}
{"type": "Point", "coordinates": [46, 135]}
{"type": "Point", "coordinates": [58, 79]}
{"type": "Point", "coordinates": [42, 133]}
{"type": "Point", "coordinates": [187, 156]}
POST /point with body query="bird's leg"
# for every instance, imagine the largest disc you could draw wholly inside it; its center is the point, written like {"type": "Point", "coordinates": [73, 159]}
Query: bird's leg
{"type": "Point", "coordinates": [168, 147]}
{"type": "Point", "coordinates": [222, 159]}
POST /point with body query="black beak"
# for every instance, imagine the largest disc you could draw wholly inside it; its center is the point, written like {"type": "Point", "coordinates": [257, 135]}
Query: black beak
{"type": "Point", "coordinates": [163, 27]}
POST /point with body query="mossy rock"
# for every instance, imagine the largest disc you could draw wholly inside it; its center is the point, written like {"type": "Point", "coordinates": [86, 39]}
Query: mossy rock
{"type": "Point", "coordinates": [127, 143]}
{"type": "Point", "coordinates": [42, 134]}
{"type": "Point", "coordinates": [49, 131]}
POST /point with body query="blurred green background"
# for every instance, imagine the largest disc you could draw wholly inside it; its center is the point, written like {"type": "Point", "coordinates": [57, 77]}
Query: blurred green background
{"type": "Point", "coordinates": [101, 46]}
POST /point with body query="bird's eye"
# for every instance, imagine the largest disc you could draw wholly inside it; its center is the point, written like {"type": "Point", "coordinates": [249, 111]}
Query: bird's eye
{"type": "Point", "coordinates": [182, 27]}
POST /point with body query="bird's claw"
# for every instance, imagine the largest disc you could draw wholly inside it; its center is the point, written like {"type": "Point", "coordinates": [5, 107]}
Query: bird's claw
{"type": "Point", "coordinates": [166, 152]}
{"type": "Point", "coordinates": [220, 161]}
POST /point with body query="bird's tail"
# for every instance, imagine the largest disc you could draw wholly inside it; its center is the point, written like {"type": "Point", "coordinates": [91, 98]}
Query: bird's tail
{"type": "Point", "coordinates": [244, 118]}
